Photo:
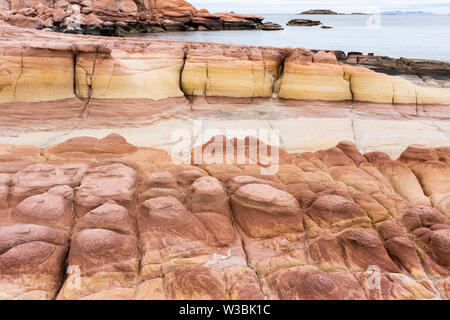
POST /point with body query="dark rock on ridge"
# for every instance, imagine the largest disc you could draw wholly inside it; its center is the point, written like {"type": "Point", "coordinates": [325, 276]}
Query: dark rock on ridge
{"type": "Point", "coordinates": [319, 11]}
{"type": "Point", "coordinates": [303, 23]}
{"type": "Point", "coordinates": [270, 26]}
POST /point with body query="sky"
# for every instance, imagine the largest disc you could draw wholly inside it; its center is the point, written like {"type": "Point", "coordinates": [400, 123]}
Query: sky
{"type": "Point", "coordinates": [342, 6]}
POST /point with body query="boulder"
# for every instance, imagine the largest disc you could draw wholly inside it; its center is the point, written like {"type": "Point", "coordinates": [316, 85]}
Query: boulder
{"type": "Point", "coordinates": [303, 23]}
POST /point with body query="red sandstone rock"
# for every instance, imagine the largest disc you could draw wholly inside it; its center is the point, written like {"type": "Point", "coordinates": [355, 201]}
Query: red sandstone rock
{"type": "Point", "coordinates": [397, 287]}
{"type": "Point", "coordinates": [312, 230]}
{"type": "Point", "coordinates": [39, 178]}
{"type": "Point", "coordinates": [401, 248]}
{"type": "Point", "coordinates": [104, 251]}
{"type": "Point", "coordinates": [335, 211]}
{"type": "Point", "coordinates": [106, 16]}
{"type": "Point", "coordinates": [100, 184]}
{"type": "Point", "coordinates": [309, 230]}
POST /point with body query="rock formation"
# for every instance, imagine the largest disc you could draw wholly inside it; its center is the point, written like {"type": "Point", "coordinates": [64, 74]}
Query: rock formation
{"type": "Point", "coordinates": [142, 227]}
{"type": "Point", "coordinates": [423, 72]}
{"type": "Point", "coordinates": [270, 26]}
{"type": "Point", "coordinates": [92, 68]}
{"type": "Point", "coordinates": [113, 17]}
{"type": "Point", "coordinates": [303, 23]}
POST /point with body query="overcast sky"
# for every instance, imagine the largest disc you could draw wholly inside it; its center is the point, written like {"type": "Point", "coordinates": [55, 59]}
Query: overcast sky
{"type": "Point", "coordinates": [344, 6]}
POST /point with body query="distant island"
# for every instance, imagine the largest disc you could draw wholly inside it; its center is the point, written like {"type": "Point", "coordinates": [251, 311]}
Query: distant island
{"type": "Point", "coordinates": [319, 11]}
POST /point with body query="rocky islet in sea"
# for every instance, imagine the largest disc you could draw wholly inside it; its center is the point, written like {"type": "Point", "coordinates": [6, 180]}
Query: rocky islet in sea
{"type": "Point", "coordinates": [353, 187]}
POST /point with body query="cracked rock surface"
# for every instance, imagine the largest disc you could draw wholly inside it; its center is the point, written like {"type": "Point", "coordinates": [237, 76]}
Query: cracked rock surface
{"type": "Point", "coordinates": [104, 17]}
{"type": "Point", "coordinates": [57, 86]}
{"type": "Point", "coordinates": [93, 205]}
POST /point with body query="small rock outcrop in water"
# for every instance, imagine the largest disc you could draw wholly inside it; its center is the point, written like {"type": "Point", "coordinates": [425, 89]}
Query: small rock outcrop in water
{"type": "Point", "coordinates": [303, 23]}
{"type": "Point", "coordinates": [113, 18]}
{"type": "Point", "coordinates": [326, 27]}
{"type": "Point", "coordinates": [117, 93]}
{"type": "Point", "coordinates": [319, 11]}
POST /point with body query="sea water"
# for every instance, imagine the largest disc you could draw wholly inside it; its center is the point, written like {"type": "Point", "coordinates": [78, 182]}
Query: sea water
{"type": "Point", "coordinates": [423, 36]}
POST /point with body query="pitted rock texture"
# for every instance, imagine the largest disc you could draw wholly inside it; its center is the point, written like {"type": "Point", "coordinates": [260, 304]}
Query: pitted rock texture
{"type": "Point", "coordinates": [134, 225]}
{"type": "Point", "coordinates": [111, 17]}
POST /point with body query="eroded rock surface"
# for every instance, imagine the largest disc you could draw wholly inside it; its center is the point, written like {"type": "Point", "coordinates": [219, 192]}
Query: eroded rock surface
{"type": "Point", "coordinates": [333, 224]}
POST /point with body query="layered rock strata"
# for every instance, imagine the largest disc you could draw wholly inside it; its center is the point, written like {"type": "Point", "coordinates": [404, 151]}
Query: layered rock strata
{"type": "Point", "coordinates": [56, 86]}
{"type": "Point", "coordinates": [101, 68]}
{"type": "Point", "coordinates": [333, 224]}
{"type": "Point", "coordinates": [115, 17]}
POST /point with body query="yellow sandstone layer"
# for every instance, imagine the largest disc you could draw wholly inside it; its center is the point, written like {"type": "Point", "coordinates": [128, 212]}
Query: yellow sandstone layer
{"type": "Point", "coordinates": [150, 71]}
{"type": "Point", "coordinates": [38, 66]}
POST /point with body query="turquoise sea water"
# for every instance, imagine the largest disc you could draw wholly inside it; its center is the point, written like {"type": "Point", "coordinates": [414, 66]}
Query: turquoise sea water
{"type": "Point", "coordinates": [411, 36]}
